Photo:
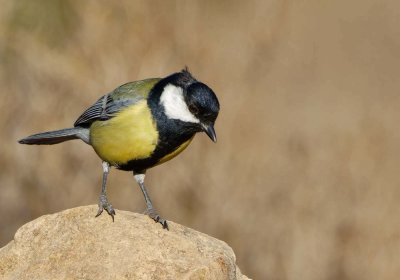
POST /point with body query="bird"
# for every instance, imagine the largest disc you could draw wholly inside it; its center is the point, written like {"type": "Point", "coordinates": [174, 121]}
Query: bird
{"type": "Point", "coordinates": [140, 125]}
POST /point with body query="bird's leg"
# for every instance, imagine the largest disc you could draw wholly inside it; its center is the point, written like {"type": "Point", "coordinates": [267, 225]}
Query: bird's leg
{"type": "Point", "coordinates": [103, 202]}
{"type": "Point", "coordinates": [150, 209]}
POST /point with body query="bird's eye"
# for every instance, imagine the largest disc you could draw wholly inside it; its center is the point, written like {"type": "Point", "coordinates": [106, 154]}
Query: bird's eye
{"type": "Point", "coordinates": [193, 109]}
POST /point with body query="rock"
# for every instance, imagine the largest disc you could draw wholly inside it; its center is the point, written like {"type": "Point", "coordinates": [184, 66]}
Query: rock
{"type": "Point", "coordinates": [73, 244]}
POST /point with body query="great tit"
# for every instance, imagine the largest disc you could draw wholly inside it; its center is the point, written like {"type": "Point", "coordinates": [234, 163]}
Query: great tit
{"type": "Point", "coordinates": [140, 125]}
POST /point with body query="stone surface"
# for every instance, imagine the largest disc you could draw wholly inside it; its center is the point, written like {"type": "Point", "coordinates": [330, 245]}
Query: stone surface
{"type": "Point", "coordinates": [73, 244]}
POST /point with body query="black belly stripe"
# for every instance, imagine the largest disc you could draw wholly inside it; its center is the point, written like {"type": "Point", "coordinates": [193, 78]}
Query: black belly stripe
{"type": "Point", "coordinates": [163, 149]}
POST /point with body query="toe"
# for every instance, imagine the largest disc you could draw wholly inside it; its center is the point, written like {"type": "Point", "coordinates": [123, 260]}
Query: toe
{"type": "Point", "coordinates": [164, 224]}
{"type": "Point", "coordinates": [99, 211]}
{"type": "Point", "coordinates": [152, 213]}
{"type": "Point", "coordinates": [110, 210]}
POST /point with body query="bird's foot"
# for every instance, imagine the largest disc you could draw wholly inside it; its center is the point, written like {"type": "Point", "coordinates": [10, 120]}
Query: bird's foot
{"type": "Point", "coordinates": [105, 205]}
{"type": "Point", "coordinates": [152, 213]}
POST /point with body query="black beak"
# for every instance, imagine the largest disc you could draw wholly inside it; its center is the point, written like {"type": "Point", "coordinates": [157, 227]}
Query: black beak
{"type": "Point", "coordinates": [209, 130]}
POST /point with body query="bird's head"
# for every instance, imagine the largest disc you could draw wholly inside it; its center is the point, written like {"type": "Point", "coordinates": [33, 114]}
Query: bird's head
{"type": "Point", "coordinates": [190, 101]}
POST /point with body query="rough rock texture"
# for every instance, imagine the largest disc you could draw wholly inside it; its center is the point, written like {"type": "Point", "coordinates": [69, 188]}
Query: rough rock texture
{"type": "Point", "coordinates": [73, 244]}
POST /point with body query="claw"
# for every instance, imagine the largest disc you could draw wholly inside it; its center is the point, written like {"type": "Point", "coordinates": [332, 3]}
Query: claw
{"type": "Point", "coordinates": [152, 213]}
{"type": "Point", "coordinates": [164, 224]}
{"type": "Point", "coordinates": [99, 211]}
{"type": "Point", "coordinates": [105, 205]}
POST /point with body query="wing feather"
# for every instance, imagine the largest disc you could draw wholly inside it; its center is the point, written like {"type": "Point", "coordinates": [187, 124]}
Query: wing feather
{"type": "Point", "coordinates": [110, 104]}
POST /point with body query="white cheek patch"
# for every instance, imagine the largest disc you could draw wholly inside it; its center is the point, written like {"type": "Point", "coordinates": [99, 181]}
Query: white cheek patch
{"type": "Point", "coordinates": [175, 106]}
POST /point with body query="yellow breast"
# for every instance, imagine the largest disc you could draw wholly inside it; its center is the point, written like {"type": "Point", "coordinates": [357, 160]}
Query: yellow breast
{"type": "Point", "coordinates": [130, 135]}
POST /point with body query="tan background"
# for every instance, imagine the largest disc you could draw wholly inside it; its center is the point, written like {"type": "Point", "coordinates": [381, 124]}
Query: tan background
{"type": "Point", "coordinates": [304, 182]}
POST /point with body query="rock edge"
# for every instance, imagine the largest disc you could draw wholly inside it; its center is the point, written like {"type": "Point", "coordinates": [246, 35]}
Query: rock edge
{"type": "Point", "coordinates": [73, 244]}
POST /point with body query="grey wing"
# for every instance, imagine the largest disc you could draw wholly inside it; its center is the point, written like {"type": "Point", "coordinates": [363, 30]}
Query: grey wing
{"type": "Point", "coordinates": [110, 104]}
{"type": "Point", "coordinates": [104, 109]}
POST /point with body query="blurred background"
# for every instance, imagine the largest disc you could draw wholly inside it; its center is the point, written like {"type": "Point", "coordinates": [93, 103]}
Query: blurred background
{"type": "Point", "coordinates": [304, 182]}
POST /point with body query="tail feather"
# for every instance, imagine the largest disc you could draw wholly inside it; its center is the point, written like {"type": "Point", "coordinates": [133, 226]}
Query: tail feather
{"type": "Point", "coordinates": [57, 136]}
